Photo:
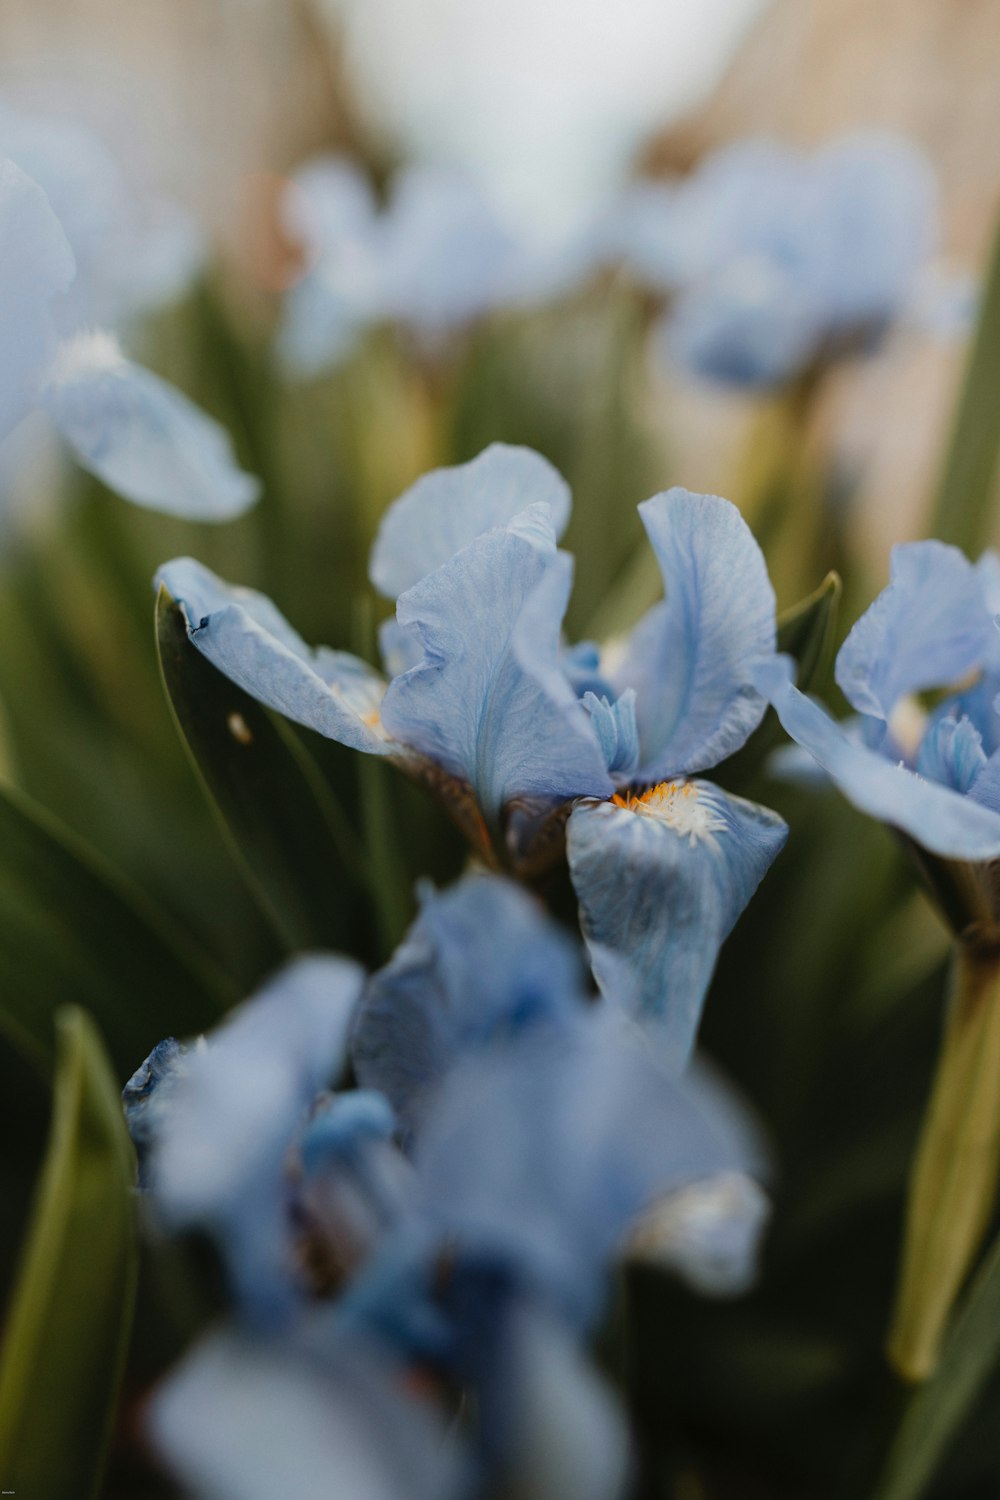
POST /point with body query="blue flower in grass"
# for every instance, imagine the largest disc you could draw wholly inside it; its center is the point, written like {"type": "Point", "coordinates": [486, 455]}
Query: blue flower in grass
{"type": "Point", "coordinates": [125, 425]}
{"type": "Point", "coordinates": [922, 670]}
{"type": "Point", "coordinates": [482, 702]}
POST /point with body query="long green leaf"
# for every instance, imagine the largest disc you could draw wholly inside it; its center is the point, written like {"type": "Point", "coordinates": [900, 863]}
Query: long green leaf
{"type": "Point", "coordinates": [298, 853]}
{"type": "Point", "coordinates": [72, 931]}
{"type": "Point", "coordinates": [806, 630]}
{"type": "Point", "coordinates": [938, 1408]}
{"type": "Point", "coordinates": [67, 1331]}
{"type": "Point", "coordinates": [964, 511]}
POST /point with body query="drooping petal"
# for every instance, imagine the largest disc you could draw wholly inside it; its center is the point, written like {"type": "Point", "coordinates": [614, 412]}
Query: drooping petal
{"type": "Point", "coordinates": [448, 508]}
{"type": "Point", "coordinates": [542, 1156]}
{"type": "Point", "coordinates": [248, 639]}
{"type": "Point", "coordinates": [481, 962]}
{"type": "Point", "coordinates": [216, 1160]}
{"type": "Point", "coordinates": [660, 882]}
{"type": "Point", "coordinates": [489, 703]}
{"type": "Point", "coordinates": [926, 629]}
{"type": "Point", "coordinates": [939, 819]}
{"type": "Point", "coordinates": [245, 1419]}
{"type": "Point", "coordinates": [36, 263]}
{"type": "Point", "coordinates": [140, 436]}
{"type": "Point", "coordinates": [689, 657]}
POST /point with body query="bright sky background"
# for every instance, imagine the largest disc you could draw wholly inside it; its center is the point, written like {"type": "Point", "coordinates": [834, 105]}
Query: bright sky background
{"type": "Point", "coordinates": [550, 98]}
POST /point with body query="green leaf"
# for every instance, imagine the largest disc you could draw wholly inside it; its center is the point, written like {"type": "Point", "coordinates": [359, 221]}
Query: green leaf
{"type": "Point", "coordinates": [937, 1409]}
{"type": "Point", "coordinates": [806, 630]}
{"type": "Point", "coordinates": [67, 1331]}
{"type": "Point", "coordinates": [73, 931]}
{"type": "Point", "coordinates": [964, 509]}
{"type": "Point", "coordinates": [288, 835]}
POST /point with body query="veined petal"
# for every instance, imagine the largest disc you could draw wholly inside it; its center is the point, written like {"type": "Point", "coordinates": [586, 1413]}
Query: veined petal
{"type": "Point", "coordinates": [939, 819]}
{"type": "Point", "coordinates": [927, 629]}
{"type": "Point", "coordinates": [142, 437]}
{"type": "Point", "coordinates": [447, 509]}
{"type": "Point", "coordinates": [221, 1139]}
{"type": "Point", "coordinates": [489, 703]}
{"type": "Point", "coordinates": [689, 657]}
{"type": "Point", "coordinates": [661, 879]}
{"type": "Point", "coordinates": [248, 639]}
{"type": "Point", "coordinates": [256, 1419]}
{"type": "Point", "coordinates": [481, 962]}
{"type": "Point", "coordinates": [36, 263]}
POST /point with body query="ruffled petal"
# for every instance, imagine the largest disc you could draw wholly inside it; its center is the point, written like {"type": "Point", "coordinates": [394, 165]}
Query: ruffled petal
{"type": "Point", "coordinates": [939, 819]}
{"type": "Point", "coordinates": [140, 436]}
{"type": "Point", "coordinates": [481, 962]}
{"type": "Point", "coordinates": [489, 703]}
{"type": "Point", "coordinates": [689, 657]}
{"type": "Point", "coordinates": [927, 629]}
{"type": "Point", "coordinates": [247, 638]}
{"type": "Point", "coordinates": [660, 882]}
{"type": "Point", "coordinates": [448, 508]}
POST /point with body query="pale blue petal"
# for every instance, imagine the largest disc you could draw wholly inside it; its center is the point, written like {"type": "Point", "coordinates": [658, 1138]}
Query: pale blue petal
{"type": "Point", "coordinates": [141, 437]}
{"type": "Point", "coordinates": [218, 1155]}
{"type": "Point", "coordinates": [250, 642]}
{"type": "Point", "coordinates": [399, 649]}
{"type": "Point", "coordinates": [951, 752]}
{"type": "Point", "coordinates": [245, 1419]}
{"type": "Point", "coordinates": [582, 666]}
{"type": "Point", "coordinates": [36, 263]}
{"type": "Point", "coordinates": [689, 657]}
{"type": "Point", "coordinates": [709, 1234]}
{"type": "Point", "coordinates": [481, 963]}
{"type": "Point", "coordinates": [543, 1155]}
{"type": "Point", "coordinates": [985, 788]}
{"type": "Point", "coordinates": [616, 728]}
{"type": "Point", "coordinates": [942, 821]}
{"type": "Point", "coordinates": [749, 325]}
{"type": "Point", "coordinates": [322, 323]}
{"type": "Point", "coordinates": [660, 889]}
{"type": "Point", "coordinates": [489, 703]}
{"type": "Point", "coordinates": [927, 629]}
{"type": "Point", "coordinates": [448, 508]}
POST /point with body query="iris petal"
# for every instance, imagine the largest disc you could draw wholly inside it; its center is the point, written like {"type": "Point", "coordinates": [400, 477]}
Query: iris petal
{"type": "Point", "coordinates": [941, 820]}
{"type": "Point", "coordinates": [447, 509]}
{"type": "Point", "coordinates": [660, 888]}
{"type": "Point", "coordinates": [489, 703]}
{"type": "Point", "coordinates": [141, 436]}
{"type": "Point", "coordinates": [688, 658]}
{"type": "Point", "coordinates": [248, 639]}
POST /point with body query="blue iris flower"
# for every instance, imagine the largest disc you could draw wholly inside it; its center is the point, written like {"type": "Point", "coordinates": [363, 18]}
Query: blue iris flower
{"type": "Point", "coordinates": [131, 429]}
{"type": "Point", "coordinates": [483, 704]}
{"type": "Point", "coordinates": [929, 768]}
{"type": "Point", "coordinates": [773, 258]}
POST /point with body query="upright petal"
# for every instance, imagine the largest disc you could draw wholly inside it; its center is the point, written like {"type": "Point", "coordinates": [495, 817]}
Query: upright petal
{"type": "Point", "coordinates": [489, 703]}
{"type": "Point", "coordinates": [141, 436]}
{"type": "Point", "coordinates": [939, 819]}
{"type": "Point", "coordinates": [927, 629]}
{"type": "Point", "coordinates": [248, 639]}
{"type": "Point", "coordinates": [448, 508]}
{"type": "Point", "coordinates": [689, 657]}
{"type": "Point", "coordinates": [481, 962]}
{"type": "Point", "coordinates": [661, 879]}
{"type": "Point", "coordinates": [36, 263]}
{"type": "Point", "coordinates": [221, 1139]}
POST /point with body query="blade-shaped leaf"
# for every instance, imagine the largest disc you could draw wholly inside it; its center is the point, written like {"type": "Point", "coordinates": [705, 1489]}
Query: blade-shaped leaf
{"type": "Point", "coordinates": [67, 1330]}
{"type": "Point", "coordinates": [964, 511]}
{"type": "Point", "coordinates": [73, 931]}
{"type": "Point", "coordinates": [806, 629]}
{"type": "Point", "coordinates": [289, 837]}
{"type": "Point", "coordinates": [937, 1409]}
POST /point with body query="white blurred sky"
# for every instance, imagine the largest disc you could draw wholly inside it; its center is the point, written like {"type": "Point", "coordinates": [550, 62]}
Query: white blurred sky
{"type": "Point", "coordinates": [550, 98]}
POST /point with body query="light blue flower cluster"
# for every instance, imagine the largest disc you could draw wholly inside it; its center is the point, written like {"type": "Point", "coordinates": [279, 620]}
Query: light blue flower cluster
{"type": "Point", "coordinates": [440, 254]}
{"type": "Point", "coordinates": [773, 258]}
{"type": "Point", "coordinates": [526, 741]}
{"type": "Point", "coordinates": [930, 769]}
{"type": "Point", "coordinates": [373, 1283]}
{"type": "Point", "coordinates": [125, 425]}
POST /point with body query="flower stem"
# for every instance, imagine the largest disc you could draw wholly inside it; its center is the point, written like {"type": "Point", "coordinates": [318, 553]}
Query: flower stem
{"type": "Point", "coordinates": [954, 1180]}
